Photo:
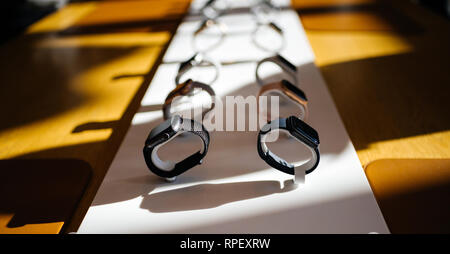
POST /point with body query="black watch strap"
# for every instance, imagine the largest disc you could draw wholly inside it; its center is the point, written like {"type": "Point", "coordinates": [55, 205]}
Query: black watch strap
{"type": "Point", "coordinates": [169, 169]}
{"type": "Point", "coordinates": [279, 163]}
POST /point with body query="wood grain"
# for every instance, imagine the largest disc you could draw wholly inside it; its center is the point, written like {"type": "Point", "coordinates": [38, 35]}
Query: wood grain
{"type": "Point", "coordinates": [69, 93]}
{"type": "Point", "coordinates": [389, 86]}
{"type": "Point", "coordinates": [388, 76]}
{"type": "Point", "coordinates": [83, 72]}
{"type": "Point", "coordinates": [412, 194]}
{"type": "Point", "coordinates": [39, 195]}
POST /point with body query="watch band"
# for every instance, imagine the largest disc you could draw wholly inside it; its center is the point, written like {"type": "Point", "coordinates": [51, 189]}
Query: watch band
{"type": "Point", "coordinates": [301, 132]}
{"type": "Point", "coordinates": [211, 11]}
{"type": "Point", "coordinates": [288, 90]}
{"type": "Point", "coordinates": [187, 89]}
{"type": "Point", "coordinates": [283, 63]}
{"type": "Point", "coordinates": [273, 27]}
{"type": "Point", "coordinates": [261, 8]}
{"type": "Point", "coordinates": [208, 23]}
{"type": "Point", "coordinates": [197, 60]}
{"type": "Point", "coordinates": [176, 125]}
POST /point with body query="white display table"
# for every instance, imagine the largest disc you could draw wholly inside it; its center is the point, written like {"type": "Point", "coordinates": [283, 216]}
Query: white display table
{"type": "Point", "coordinates": [234, 191]}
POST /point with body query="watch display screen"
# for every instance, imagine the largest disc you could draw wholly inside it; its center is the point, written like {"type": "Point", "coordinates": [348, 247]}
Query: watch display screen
{"type": "Point", "coordinates": [304, 130]}
{"type": "Point", "coordinates": [287, 63]}
{"type": "Point", "coordinates": [294, 89]}
{"type": "Point", "coordinates": [165, 127]}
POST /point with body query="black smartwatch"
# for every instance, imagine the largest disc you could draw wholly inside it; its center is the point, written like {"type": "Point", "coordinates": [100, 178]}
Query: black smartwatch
{"type": "Point", "coordinates": [301, 132]}
{"type": "Point", "coordinates": [165, 132]}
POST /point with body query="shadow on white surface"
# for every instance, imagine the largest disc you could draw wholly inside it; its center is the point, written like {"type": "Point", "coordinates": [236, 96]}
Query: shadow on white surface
{"type": "Point", "coordinates": [226, 162]}
{"type": "Point", "coordinates": [204, 196]}
{"type": "Point", "coordinates": [314, 218]}
{"type": "Point", "coordinates": [233, 190]}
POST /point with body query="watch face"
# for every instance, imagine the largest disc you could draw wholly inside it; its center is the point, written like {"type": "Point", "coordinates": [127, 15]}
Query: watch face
{"type": "Point", "coordinates": [294, 89]}
{"type": "Point", "coordinates": [303, 131]}
{"type": "Point", "coordinates": [170, 126]}
{"type": "Point", "coordinates": [287, 63]}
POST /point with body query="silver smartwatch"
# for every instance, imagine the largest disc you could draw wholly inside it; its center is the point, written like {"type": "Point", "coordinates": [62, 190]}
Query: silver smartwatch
{"type": "Point", "coordinates": [212, 9]}
{"type": "Point", "coordinates": [284, 64]}
{"type": "Point", "coordinates": [186, 89]}
{"type": "Point", "coordinates": [289, 91]}
{"type": "Point", "coordinates": [197, 60]}
{"type": "Point", "coordinates": [209, 23]}
{"type": "Point", "coordinates": [263, 9]}
{"type": "Point", "coordinates": [274, 27]}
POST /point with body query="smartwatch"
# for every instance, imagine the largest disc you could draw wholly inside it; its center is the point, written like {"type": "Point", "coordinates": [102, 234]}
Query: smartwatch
{"type": "Point", "coordinates": [207, 24]}
{"type": "Point", "coordinates": [164, 133]}
{"type": "Point", "coordinates": [303, 133]}
{"type": "Point", "coordinates": [188, 88]}
{"type": "Point", "coordinates": [284, 64]}
{"type": "Point", "coordinates": [263, 8]}
{"type": "Point", "coordinates": [288, 90]}
{"type": "Point", "coordinates": [212, 10]}
{"type": "Point", "coordinates": [197, 60]}
{"type": "Point", "coordinates": [274, 27]}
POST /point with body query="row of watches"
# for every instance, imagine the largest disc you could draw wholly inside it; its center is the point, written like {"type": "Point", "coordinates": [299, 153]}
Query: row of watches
{"type": "Point", "coordinates": [262, 11]}
{"type": "Point", "coordinates": [175, 125]}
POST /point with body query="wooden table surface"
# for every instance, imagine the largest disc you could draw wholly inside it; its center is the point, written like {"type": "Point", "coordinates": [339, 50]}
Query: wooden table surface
{"type": "Point", "coordinates": [72, 83]}
{"type": "Point", "coordinates": [386, 64]}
